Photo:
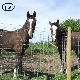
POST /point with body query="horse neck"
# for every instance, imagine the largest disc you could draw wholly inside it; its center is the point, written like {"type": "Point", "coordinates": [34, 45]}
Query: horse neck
{"type": "Point", "coordinates": [24, 26]}
{"type": "Point", "coordinates": [23, 32]}
{"type": "Point", "coordinates": [61, 36]}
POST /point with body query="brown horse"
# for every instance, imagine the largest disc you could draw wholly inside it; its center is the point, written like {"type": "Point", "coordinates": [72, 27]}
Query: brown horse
{"type": "Point", "coordinates": [18, 40]}
{"type": "Point", "coordinates": [61, 41]}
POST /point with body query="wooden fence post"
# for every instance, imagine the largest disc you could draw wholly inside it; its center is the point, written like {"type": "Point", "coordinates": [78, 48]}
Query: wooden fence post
{"type": "Point", "coordinates": [69, 54]}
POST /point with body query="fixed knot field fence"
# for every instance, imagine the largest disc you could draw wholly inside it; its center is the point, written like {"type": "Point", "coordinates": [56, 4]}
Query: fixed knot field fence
{"type": "Point", "coordinates": [41, 60]}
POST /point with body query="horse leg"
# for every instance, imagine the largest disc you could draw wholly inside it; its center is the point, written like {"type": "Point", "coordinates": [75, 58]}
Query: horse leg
{"type": "Point", "coordinates": [0, 52]}
{"type": "Point", "coordinates": [1, 59]}
{"type": "Point", "coordinates": [16, 69]}
{"type": "Point", "coordinates": [66, 60]}
{"type": "Point", "coordinates": [61, 57]}
{"type": "Point", "coordinates": [20, 66]}
{"type": "Point", "coordinates": [78, 55]}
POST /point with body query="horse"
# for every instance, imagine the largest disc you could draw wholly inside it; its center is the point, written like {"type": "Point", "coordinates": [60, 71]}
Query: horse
{"type": "Point", "coordinates": [61, 42]}
{"type": "Point", "coordinates": [18, 40]}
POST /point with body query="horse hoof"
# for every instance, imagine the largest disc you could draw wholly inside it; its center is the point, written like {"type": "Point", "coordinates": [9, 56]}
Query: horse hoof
{"type": "Point", "coordinates": [66, 71]}
{"type": "Point", "coordinates": [14, 78]}
{"type": "Point", "coordinates": [61, 71]}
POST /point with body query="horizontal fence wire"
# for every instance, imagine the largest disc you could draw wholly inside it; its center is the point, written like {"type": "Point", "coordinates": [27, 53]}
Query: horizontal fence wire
{"type": "Point", "coordinates": [41, 58]}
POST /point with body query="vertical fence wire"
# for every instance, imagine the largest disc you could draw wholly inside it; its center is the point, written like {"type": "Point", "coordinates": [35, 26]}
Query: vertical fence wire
{"type": "Point", "coordinates": [78, 55]}
{"type": "Point", "coordinates": [62, 55]}
{"type": "Point", "coordinates": [48, 52]}
{"type": "Point", "coordinates": [40, 52]}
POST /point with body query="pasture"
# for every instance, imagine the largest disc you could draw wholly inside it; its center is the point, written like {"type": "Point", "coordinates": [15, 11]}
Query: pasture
{"type": "Point", "coordinates": [40, 62]}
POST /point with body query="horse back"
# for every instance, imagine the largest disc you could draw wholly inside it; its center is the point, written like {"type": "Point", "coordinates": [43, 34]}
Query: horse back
{"type": "Point", "coordinates": [75, 40]}
{"type": "Point", "coordinates": [5, 38]}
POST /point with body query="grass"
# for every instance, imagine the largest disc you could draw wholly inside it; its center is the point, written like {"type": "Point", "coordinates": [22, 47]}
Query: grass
{"type": "Point", "coordinates": [46, 49]}
{"type": "Point", "coordinates": [4, 52]}
{"type": "Point", "coordinates": [41, 48]}
{"type": "Point", "coordinates": [36, 49]}
{"type": "Point", "coordinates": [75, 75]}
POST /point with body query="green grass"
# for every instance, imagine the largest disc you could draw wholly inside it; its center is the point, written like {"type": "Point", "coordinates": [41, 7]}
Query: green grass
{"type": "Point", "coordinates": [37, 49]}
{"type": "Point", "coordinates": [46, 49]}
{"type": "Point", "coordinates": [75, 75]}
{"type": "Point", "coordinates": [41, 48]}
{"type": "Point", "coordinates": [4, 52]}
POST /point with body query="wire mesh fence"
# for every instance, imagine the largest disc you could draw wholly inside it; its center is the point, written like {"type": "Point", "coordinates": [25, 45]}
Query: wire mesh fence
{"type": "Point", "coordinates": [40, 61]}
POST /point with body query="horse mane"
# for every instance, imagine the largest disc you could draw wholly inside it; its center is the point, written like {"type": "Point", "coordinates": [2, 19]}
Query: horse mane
{"type": "Point", "coordinates": [62, 31]}
{"type": "Point", "coordinates": [25, 25]}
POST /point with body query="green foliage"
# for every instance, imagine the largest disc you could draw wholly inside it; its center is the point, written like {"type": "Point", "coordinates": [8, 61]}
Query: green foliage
{"type": "Point", "coordinates": [73, 53]}
{"type": "Point", "coordinates": [4, 52]}
{"type": "Point", "coordinates": [74, 24]}
{"type": "Point", "coordinates": [45, 48]}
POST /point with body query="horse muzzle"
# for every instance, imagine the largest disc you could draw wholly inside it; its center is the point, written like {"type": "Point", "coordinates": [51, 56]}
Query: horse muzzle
{"type": "Point", "coordinates": [30, 36]}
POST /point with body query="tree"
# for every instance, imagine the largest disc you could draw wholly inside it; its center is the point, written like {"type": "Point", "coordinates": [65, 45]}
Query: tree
{"type": "Point", "coordinates": [74, 24]}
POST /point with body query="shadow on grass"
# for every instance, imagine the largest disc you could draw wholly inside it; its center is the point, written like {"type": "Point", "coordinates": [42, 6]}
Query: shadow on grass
{"type": "Point", "coordinates": [72, 68]}
{"type": "Point", "coordinates": [33, 75]}
{"type": "Point", "coordinates": [38, 74]}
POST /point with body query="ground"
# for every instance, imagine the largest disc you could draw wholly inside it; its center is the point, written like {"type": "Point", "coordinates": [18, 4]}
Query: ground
{"type": "Point", "coordinates": [47, 63]}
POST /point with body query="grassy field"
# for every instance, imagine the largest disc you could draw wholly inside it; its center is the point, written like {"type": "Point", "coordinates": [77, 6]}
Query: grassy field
{"type": "Point", "coordinates": [43, 49]}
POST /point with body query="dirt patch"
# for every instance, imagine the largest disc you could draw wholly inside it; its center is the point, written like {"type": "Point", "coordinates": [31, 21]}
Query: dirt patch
{"type": "Point", "coordinates": [47, 63]}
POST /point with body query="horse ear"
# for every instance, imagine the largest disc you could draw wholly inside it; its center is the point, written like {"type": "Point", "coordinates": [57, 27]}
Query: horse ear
{"type": "Point", "coordinates": [28, 14]}
{"type": "Point", "coordinates": [57, 22]}
{"type": "Point", "coordinates": [49, 22]}
{"type": "Point", "coordinates": [34, 14]}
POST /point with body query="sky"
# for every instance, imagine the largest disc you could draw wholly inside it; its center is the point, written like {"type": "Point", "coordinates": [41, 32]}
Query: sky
{"type": "Point", "coordinates": [46, 10]}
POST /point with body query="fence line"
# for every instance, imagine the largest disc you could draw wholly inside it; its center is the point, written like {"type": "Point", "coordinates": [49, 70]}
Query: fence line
{"type": "Point", "coordinates": [50, 42]}
{"type": "Point", "coordinates": [68, 53]}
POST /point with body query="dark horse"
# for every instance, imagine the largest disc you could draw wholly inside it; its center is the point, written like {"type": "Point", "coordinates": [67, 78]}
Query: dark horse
{"type": "Point", "coordinates": [61, 41]}
{"type": "Point", "coordinates": [18, 40]}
